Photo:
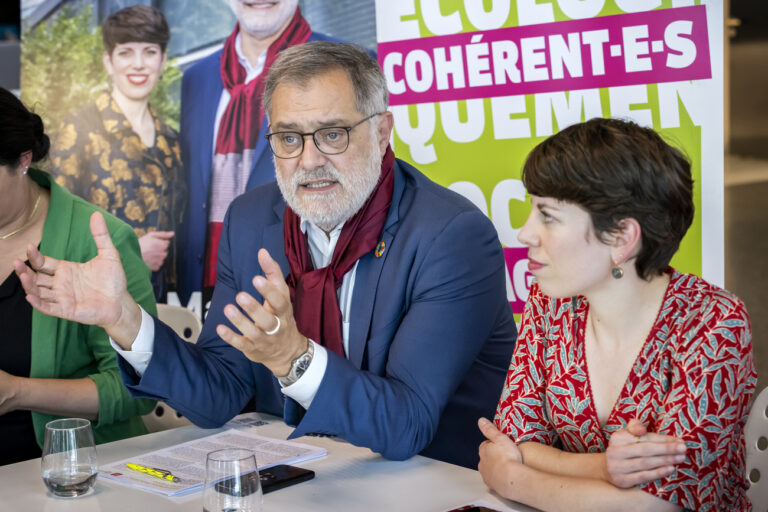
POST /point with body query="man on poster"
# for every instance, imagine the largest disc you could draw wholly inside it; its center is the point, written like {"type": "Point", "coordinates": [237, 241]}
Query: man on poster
{"type": "Point", "coordinates": [392, 330]}
{"type": "Point", "coordinates": [222, 128]}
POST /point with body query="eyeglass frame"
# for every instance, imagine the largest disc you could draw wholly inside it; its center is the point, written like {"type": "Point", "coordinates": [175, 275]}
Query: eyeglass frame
{"type": "Point", "coordinates": [304, 136]}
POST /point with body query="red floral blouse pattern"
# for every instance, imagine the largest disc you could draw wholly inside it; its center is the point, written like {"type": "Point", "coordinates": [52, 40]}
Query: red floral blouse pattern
{"type": "Point", "coordinates": [693, 378]}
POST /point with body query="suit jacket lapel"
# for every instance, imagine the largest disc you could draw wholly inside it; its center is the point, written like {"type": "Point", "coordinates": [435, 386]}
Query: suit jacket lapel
{"type": "Point", "coordinates": [208, 126]}
{"type": "Point", "coordinates": [274, 237]}
{"type": "Point", "coordinates": [367, 277]}
{"type": "Point", "coordinates": [254, 179]}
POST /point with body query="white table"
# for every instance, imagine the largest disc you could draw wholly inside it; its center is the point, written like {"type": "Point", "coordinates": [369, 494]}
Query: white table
{"type": "Point", "coordinates": [348, 479]}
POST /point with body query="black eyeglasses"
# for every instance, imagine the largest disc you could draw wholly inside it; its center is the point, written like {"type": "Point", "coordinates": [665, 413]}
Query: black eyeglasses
{"type": "Point", "coordinates": [330, 141]}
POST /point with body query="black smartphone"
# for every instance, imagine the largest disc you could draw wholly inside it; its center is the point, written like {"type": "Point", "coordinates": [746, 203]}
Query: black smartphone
{"type": "Point", "coordinates": [473, 508]}
{"type": "Point", "coordinates": [277, 477]}
{"type": "Point", "coordinates": [272, 479]}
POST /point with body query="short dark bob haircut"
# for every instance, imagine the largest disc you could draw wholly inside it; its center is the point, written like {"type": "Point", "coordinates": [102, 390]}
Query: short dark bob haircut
{"type": "Point", "coordinates": [616, 170]}
{"type": "Point", "coordinates": [135, 24]}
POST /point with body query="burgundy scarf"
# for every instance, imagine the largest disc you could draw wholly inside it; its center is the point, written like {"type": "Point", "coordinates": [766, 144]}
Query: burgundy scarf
{"type": "Point", "coordinates": [313, 291]}
{"type": "Point", "coordinates": [240, 125]}
{"type": "Point", "coordinates": [238, 129]}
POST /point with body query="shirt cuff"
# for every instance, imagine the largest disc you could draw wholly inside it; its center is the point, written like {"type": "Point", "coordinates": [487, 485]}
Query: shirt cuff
{"type": "Point", "coordinates": [305, 389]}
{"type": "Point", "coordinates": [141, 349]}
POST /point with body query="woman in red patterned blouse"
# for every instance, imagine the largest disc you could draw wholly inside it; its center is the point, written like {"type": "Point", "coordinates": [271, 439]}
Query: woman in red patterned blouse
{"type": "Point", "coordinates": [630, 382]}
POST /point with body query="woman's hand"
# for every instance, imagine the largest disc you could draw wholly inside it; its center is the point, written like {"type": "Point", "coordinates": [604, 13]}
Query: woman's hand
{"type": "Point", "coordinates": [636, 456]}
{"type": "Point", "coordinates": [154, 248]}
{"type": "Point", "coordinates": [499, 457]}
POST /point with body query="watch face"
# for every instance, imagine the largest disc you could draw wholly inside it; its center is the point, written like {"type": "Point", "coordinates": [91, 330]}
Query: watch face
{"type": "Point", "coordinates": [302, 364]}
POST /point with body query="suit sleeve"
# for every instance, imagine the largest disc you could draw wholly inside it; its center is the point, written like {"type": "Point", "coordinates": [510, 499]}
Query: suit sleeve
{"type": "Point", "coordinates": [210, 381]}
{"type": "Point", "coordinates": [115, 403]}
{"type": "Point", "coordinates": [451, 310]}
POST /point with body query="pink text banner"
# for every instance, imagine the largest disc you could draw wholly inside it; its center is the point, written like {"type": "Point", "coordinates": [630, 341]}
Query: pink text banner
{"type": "Point", "coordinates": [667, 45]}
{"type": "Point", "coordinates": [519, 278]}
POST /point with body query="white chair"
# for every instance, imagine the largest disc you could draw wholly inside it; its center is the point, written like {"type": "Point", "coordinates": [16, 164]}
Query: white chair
{"type": "Point", "coordinates": [756, 438]}
{"type": "Point", "coordinates": [187, 325]}
{"type": "Point", "coordinates": [184, 321]}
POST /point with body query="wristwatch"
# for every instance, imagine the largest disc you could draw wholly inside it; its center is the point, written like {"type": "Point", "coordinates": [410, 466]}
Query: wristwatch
{"type": "Point", "coordinates": [298, 366]}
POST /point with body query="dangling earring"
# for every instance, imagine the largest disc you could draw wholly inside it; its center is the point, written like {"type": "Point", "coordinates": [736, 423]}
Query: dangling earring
{"type": "Point", "coordinates": [617, 272]}
{"type": "Point", "coordinates": [24, 172]}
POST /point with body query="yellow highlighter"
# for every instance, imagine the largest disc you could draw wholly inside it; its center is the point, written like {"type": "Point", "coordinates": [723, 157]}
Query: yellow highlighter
{"type": "Point", "coordinates": [156, 472]}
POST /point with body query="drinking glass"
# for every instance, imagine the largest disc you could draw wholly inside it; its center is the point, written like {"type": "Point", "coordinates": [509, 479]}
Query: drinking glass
{"type": "Point", "coordinates": [69, 457]}
{"type": "Point", "coordinates": [232, 482]}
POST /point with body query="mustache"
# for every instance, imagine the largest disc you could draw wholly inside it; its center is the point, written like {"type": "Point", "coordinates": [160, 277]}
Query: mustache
{"type": "Point", "coordinates": [325, 172]}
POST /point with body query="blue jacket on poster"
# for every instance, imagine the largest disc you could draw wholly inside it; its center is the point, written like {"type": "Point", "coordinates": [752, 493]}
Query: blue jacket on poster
{"type": "Point", "coordinates": [201, 89]}
{"type": "Point", "coordinates": [430, 338]}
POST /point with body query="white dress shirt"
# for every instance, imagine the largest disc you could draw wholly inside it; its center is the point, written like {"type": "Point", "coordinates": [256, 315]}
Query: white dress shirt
{"type": "Point", "coordinates": [321, 248]}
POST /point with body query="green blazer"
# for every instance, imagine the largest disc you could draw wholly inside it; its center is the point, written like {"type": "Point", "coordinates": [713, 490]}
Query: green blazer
{"type": "Point", "coordinates": [68, 350]}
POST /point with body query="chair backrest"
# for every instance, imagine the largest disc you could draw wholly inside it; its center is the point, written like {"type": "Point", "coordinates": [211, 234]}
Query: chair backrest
{"type": "Point", "coordinates": [164, 417]}
{"type": "Point", "coordinates": [182, 320]}
{"type": "Point", "coordinates": [187, 325]}
{"type": "Point", "coordinates": [756, 438]}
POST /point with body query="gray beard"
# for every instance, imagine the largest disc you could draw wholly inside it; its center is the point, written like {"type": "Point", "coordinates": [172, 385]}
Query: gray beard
{"type": "Point", "coordinates": [327, 211]}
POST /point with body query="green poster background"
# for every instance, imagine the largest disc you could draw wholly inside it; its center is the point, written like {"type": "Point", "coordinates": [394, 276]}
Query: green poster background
{"type": "Point", "coordinates": [487, 161]}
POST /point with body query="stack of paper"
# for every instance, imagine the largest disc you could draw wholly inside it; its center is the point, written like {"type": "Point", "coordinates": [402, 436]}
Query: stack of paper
{"type": "Point", "coordinates": [186, 461]}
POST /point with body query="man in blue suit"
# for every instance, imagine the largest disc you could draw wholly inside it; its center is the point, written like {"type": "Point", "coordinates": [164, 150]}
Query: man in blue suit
{"type": "Point", "coordinates": [222, 127]}
{"type": "Point", "coordinates": [392, 329]}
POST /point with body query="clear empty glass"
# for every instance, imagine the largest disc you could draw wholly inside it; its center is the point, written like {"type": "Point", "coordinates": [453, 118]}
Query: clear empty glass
{"type": "Point", "coordinates": [232, 482]}
{"type": "Point", "coordinates": [69, 457]}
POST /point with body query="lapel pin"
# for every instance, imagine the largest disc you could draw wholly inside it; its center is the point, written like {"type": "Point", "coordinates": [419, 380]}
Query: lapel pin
{"type": "Point", "coordinates": [380, 249]}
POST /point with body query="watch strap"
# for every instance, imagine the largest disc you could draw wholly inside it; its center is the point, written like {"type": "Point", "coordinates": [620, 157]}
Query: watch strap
{"type": "Point", "coordinates": [298, 366]}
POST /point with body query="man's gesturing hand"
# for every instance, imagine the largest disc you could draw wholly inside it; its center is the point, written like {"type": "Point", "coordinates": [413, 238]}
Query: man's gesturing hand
{"type": "Point", "coordinates": [275, 351]}
{"type": "Point", "coordinates": [92, 293]}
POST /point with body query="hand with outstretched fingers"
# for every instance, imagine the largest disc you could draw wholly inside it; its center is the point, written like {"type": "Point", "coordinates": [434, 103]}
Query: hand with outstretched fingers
{"type": "Point", "coordinates": [94, 292]}
{"type": "Point", "coordinates": [267, 332]}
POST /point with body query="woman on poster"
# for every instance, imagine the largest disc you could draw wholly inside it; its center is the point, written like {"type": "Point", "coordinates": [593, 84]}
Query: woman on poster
{"type": "Point", "coordinates": [117, 153]}
{"type": "Point", "coordinates": [630, 381]}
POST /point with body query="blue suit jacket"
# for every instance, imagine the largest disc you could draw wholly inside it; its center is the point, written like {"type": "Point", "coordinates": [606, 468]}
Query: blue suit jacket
{"type": "Point", "coordinates": [201, 89]}
{"type": "Point", "coordinates": [430, 338]}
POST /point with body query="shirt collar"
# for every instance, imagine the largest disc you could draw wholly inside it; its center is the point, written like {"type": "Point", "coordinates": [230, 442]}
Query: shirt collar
{"type": "Point", "coordinates": [251, 72]}
{"type": "Point", "coordinates": [321, 246]}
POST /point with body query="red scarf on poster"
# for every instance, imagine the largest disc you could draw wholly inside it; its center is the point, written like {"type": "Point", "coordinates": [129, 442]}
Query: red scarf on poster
{"type": "Point", "coordinates": [238, 129]}
{"type": "Point", "coordinates": [313, 291]}
{"type": "Point", "coordinates": [240, 125]}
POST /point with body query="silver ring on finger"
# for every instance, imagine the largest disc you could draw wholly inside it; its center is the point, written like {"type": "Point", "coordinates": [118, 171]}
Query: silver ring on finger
{"type": "Point", "coordinates": [275, 329]}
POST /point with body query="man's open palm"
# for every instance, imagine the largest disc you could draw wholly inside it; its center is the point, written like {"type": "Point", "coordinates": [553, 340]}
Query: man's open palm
{"type": "Point", "coordinates": [88, 292]}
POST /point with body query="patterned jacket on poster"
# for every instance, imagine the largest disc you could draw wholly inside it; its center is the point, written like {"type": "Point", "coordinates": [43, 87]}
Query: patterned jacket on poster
{"type": "Point", "coordinates": [99, 157]}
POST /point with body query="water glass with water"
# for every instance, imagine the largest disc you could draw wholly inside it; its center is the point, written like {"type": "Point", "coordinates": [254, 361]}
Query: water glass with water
{"type": "Point", "coordinates": [232, 482]}
{"type": "Point", "coordinates": [69, 461]}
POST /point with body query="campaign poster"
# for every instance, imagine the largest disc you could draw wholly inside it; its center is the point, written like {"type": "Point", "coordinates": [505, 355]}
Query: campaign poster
{"type": "Point", "coordinates": [474, 85]}
{"type": "Point", "coordinates": [96, 152]}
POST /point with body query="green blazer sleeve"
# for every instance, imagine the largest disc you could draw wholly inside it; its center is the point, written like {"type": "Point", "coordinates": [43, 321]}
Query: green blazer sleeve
{"type": "Point", "coordinates": [115, 403]}
{"type": "Point", "coordinates": [69, 350]}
